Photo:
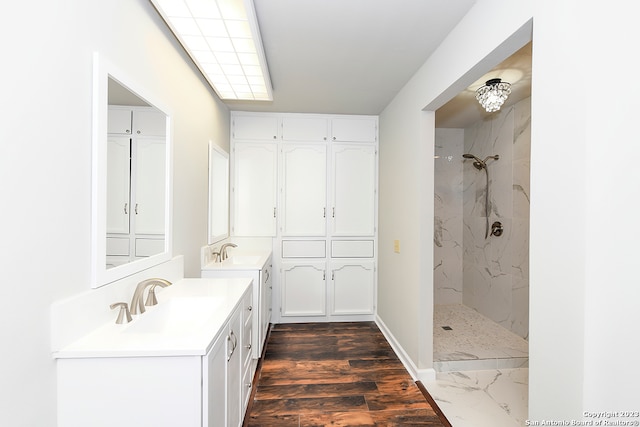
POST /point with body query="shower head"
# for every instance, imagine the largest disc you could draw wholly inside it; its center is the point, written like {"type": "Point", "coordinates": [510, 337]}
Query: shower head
{"type": "Point", "coordinates": [478, 164]}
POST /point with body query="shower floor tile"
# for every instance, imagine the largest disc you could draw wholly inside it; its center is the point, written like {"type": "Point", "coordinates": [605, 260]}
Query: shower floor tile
{"type": "Point", "coordinates": [463, 339]}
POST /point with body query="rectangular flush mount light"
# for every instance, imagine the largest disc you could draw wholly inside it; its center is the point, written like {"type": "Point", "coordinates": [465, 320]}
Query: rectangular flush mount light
{"type": "Point", "coordinates": [223, 39]}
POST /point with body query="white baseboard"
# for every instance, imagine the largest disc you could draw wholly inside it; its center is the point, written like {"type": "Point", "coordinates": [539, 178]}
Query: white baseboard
{"type": "Point", "coordinates": [424, 374]}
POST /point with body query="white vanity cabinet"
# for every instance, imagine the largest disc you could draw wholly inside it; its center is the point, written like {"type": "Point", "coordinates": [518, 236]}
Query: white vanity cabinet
{"type": "Point", "coordinates": [261, 274]}
{"type": "Point", "coordinates": [196, 378]}
{"type": "Point", "coordinates": [226, 371]}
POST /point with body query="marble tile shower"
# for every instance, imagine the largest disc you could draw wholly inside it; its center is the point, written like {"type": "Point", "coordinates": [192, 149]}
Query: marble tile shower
{"type": "Point", "coordinates": [489, 275]}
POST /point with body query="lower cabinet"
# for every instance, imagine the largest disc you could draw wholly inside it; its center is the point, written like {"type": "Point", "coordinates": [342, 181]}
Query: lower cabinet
{"type": "Point", "coordinates": [225, 369]}
{"type": "Point", "coordinates": [262, 291]}
{"type": "Point", "coordinates": [352, 287]}
{"type": "Point", "coordinates": [304, 285]}
{"type": "Point", "coordinates": [327, 288]}
{"type": "Point", "coordinates": [209, 390]}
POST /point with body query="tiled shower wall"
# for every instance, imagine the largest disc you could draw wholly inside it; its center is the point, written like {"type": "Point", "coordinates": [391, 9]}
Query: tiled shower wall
{"type": "Point", "coordinates": [490, 275]}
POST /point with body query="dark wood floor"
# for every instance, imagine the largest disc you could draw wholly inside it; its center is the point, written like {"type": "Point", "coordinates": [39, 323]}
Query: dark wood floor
{"type": "Point", "coordinates": [337, 374]}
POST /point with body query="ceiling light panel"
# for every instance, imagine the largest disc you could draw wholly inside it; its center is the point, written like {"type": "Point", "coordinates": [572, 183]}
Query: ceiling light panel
{"type": "Point", "coordinates": [223, 39]}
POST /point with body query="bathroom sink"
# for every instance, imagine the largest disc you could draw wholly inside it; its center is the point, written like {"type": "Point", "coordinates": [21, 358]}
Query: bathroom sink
{"type": "Point", "coordinates": [175, 316]}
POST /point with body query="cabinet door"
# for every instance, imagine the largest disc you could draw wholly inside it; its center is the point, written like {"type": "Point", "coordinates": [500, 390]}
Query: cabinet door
{"type": "Point", "coordinates": [354, 129]}
{"type": "Point", "coordinates": [246, 350]}
{"type": "Point", "coordinates": [252, 128]}
{"type": "Point", "coordinates": [150, 184]}
{"type": "Point", "coordinates": [353, 285]}
{"type": "Point", "coordinates": [254, 189]}
{"type": "Point", "coordinates": [149, 122]}
{"type": "Point", "coordinates": [234, 375]}
{"type": "Point", "coordinates": [304, 288]}
{"type": "Point", "coordinates": [299, 129]}
{"type": "Point", "coordinates": [266, 290]}
{"type": "Point", "coordinates": [119, 121]}
{"type": "Point", "coordinates": [118, 177]}
{"type": "Point", "coordinates": [354, 189]}
{"type": "Point", "coordinates": [304, 184]}
{"type": "Point", "coordinates": [214, 396]}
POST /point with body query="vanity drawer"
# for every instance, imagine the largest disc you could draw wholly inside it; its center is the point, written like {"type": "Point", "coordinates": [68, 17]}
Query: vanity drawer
{"type": "Point", "coordinates": [352, 248]}
{"type": "Point", "coordinates": [304, 249]}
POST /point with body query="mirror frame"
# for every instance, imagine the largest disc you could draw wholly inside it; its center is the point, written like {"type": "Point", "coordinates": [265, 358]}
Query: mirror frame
{"type": "Point", "coordinates": [103, 69]}
{"type": "Point", "coordinates": [217, 154]}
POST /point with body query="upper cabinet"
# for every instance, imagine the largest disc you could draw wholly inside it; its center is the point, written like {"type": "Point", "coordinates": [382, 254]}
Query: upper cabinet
{"type": "Point", "coordinates": [254, 191]}
{"type": "Point", "coordinates": [255, 127]}
{"type": "Point", "coordinates": [354, 129]}
{"type": "Point", "coordinates": [305, 128]}
{"type": "Point", "coordinates": [304, 189]}
{"type": "Point", "coordinates": [353, 189]}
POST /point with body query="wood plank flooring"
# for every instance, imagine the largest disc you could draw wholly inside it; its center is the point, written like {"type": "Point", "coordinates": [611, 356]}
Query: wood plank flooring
{"type": "Point", "coordinates": [335, 374]}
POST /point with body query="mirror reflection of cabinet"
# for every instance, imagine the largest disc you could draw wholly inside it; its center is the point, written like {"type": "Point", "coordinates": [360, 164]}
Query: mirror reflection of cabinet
{"type": "Point", "coordinates": [135, 183]}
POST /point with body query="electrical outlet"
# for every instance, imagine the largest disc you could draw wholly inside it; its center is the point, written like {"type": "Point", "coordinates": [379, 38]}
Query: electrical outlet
{"type": "Point", "coordinates": [396, 246]}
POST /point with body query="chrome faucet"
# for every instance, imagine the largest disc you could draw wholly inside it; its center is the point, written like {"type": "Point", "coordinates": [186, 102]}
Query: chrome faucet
{"type": "Point", "coordinates": [137, 304]}
{"type": "Point", "coordinates": [223, 250]}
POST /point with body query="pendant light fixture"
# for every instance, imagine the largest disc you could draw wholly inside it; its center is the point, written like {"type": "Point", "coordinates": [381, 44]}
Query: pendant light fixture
{"type": "Point", "coordinates": [493, 94]}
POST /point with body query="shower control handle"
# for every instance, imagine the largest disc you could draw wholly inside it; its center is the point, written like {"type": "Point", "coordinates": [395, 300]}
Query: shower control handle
{"type": "Point", "coordinates": [497, 229]}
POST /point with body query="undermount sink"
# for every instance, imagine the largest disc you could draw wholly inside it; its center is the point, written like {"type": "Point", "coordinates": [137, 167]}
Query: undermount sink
{"type": "Point", "coordinates": [175, 315]}
{"type": "Point", "coordinates": [243, 259]}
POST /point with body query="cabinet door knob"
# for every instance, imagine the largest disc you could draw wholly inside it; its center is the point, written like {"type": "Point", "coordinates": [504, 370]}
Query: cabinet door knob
{"type": "Point", "coordinates": [249, 308]}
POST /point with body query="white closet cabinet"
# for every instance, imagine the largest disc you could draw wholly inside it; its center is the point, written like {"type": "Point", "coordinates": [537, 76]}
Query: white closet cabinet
{"type": "Point", "coordinates": [304, 189]}
{"type": "Point", "coordinates": [353, 287]}
{"type": "Point", "coordinates": [255, 175]}
{"type": "Point", "coordinates": [353, 189]}
{"type": "Point", "coordinates": [320, 208]}
{"type": "Point", "coordinates": [303, 288]}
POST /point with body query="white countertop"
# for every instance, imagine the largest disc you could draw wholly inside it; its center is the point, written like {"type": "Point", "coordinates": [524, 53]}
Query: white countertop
{"type": "Point", "coordinates": [253, 260]}
{"type": "Point", "coordinates": [186, 321]}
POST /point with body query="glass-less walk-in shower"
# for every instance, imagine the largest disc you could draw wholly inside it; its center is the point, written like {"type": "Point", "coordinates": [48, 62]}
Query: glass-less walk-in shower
{"type": "Point", "coordinates": [481, 273]}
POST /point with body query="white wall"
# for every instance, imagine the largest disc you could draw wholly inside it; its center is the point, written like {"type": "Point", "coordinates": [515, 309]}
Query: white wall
{"type": "Point", "coordinates": [584, 320]}
{"type": "Point", "coordinates": [45, 158]}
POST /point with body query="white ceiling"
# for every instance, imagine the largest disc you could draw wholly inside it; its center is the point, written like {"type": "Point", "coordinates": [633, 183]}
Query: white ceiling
{"type": "Point", "coordinates": [347, 56]}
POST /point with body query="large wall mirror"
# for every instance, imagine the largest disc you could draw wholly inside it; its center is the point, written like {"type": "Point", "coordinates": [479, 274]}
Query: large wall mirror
{"type": "Point", "coordinates": [131, 176]}
{"type": "Point", "coordinates": [218, 194]}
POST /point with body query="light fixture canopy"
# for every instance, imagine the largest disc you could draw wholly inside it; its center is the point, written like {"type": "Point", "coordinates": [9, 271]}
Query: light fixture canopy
{"type": "Point", "coordinates": [493, 94]}
{"type": "Point", "coordinates": [223, 39]}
